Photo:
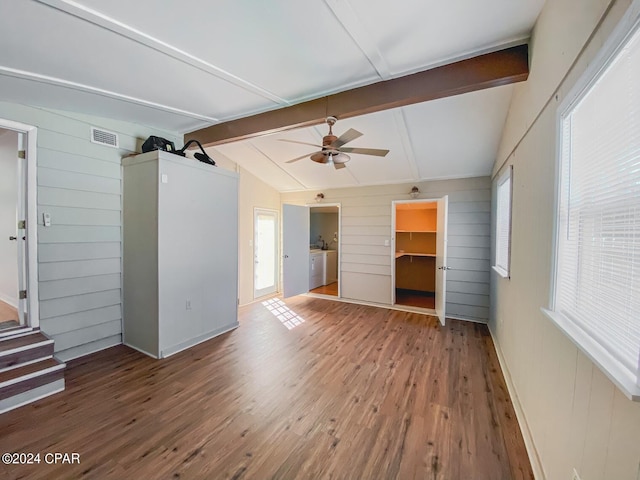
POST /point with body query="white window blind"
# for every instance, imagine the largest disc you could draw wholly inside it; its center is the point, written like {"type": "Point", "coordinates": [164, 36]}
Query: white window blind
{"type": "Point", "coordinates": [597, 284]}
{"type": "Point", "coordinates": [503, 223]}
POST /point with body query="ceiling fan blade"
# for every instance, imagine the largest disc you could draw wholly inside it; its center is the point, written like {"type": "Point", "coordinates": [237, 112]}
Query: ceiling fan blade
{"type": "Point", "coordinates": [301, 143]}
{"type": "Point", "coordinates": [346, 137]}
{"type": "Point", "coordinates": [338, 166]}
{"type": "Point", "coordinates": [299, 158]}
{"type": "Point", "coordinates": [366, 151]}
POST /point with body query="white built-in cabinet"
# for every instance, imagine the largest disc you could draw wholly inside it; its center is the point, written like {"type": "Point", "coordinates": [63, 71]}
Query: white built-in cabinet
{"type": "Point", "coordinates": [180, 252]}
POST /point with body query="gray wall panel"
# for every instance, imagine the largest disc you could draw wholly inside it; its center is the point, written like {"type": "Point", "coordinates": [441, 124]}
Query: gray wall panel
{"type": "Point", "coordinates": [79, 255]}
{"type": "Point", "coordinates": [79, 216]}
{"type": "Point", "coordinates": [78, 286]}
{"type": "Point", "coordinates": [366, 226]}
{"type": "Point", "coordinates": [62, 252]}
{"type": "Point", "coordinates": [71, 339]}
{"type": "Point", "coordinates": [48, 177]}
{"type": "Point", "coordinates": [75, 321]}
{"type": "Point", "coordinates": [78, 268]}
{"type": "Point", "coordinates": [78, 234]}
{"type": "Point", "coordinates": [74, 198]}
{"type": "Point", "coordinates": [78, 303]}
{"type": "Point", "coordinates": [77, 163]}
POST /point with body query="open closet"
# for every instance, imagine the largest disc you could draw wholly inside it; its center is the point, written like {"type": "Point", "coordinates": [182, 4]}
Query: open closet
{"type": "Point", "coordinates": [415, 253]}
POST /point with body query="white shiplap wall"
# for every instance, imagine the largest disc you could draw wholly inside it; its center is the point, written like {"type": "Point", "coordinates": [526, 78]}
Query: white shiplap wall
{"type": "Point", "coordinates": [366, 224]}
{"type": "Point", "coordinates": [79, 255]}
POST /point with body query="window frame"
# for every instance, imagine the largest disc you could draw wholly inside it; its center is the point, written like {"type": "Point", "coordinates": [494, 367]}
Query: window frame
{"type": "Point", "coordinates": [506, 176]}
{"type": "Point", "coordinates": [621, 376]}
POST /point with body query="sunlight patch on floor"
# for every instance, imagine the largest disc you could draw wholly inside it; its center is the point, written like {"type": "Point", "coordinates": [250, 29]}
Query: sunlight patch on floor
{"type": "Point", "coordinates": [279, 309]}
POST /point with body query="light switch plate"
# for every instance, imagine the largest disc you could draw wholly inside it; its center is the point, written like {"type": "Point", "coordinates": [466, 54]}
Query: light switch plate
{"type": "Point", "coordinates": [46, 218]}
{"type": "Point", "coordinates": [164, 178]}
{"type": "Point", "coordinates": [386, 243]}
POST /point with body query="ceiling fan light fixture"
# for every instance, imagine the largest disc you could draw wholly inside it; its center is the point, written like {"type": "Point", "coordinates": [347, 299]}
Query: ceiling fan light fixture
{"type": "Point", "coordinates": [339, 157]}
{"type": "Point", "coordinates": [333, 150]}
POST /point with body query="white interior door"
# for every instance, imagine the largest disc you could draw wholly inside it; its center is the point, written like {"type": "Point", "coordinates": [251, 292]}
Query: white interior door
{"type": "Point", "coordinates": [21, 214]}
{"type": "Point", "coordinates": [265, 252]}
{"type": "Point", "coordinates": [295, 250]}
{"type": "Point", "coordinates": [441, 258]}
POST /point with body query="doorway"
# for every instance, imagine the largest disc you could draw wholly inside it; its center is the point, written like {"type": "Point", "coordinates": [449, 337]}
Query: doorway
{"type": "Point", "coordinates": [9, 215]}
{"type": "Point", "coordinates": [311, 249]}
{"type": "Point", "coordinates": [265, 252]}
{"type": "Point", "coordinates": [324, 230]}
{"type": "Point", "coordinates": [419, 263]}
{"type": "Point", "coordinates": [18, 227]}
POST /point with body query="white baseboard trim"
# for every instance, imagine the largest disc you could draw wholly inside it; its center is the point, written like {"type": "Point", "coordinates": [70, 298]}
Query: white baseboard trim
{"type": "Point", "coordinates": [464, 319]}
{"type": "Point", "coordinates": [139, 350]}
{"type": "Point", "coordinates": [62, 357]}
{"type": "Point", "coordinates": [12, 301]}
{"type": "Point", "coordinates": [172, 350]}
{"type": "Point", "coordinates": [532, 451]}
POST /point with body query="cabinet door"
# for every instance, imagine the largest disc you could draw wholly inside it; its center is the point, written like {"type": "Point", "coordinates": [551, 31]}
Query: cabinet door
{"type": "Point", "coordinates": [197, 252]}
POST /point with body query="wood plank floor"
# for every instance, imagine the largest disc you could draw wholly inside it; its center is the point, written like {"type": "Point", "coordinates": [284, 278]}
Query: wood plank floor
{"type": "Point", "coordinates": [414, 298]}
{"type": "Point", "coordinates": [331, 289]}
{"type": "Point", "coordinates": [7, 312]}
{"type": "Point", "coordinates": [309, 388]}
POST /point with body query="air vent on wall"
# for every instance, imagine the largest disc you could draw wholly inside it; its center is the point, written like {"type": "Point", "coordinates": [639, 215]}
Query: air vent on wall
{"type": "Point", "coordinates": [104, 137]}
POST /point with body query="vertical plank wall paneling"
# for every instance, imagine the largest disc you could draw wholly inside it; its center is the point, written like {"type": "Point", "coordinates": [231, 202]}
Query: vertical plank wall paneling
{"type": "Point", "coordinates": [79, 255]}
{"type": "Point", "coordinates": [366, 224]}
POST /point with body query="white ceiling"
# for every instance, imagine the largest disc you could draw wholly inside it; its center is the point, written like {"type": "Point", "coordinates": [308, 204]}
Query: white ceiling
{"type": "Point", "coordinates": [183, 65]}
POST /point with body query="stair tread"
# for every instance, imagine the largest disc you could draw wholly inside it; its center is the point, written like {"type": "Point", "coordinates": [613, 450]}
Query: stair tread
{"type": "Point", "coordinates": [9, 343]}
{"type": "Point", "coordinates": [27, 369]}
{"type": "Point", "coordinates": [8, 324]}
{"type": "Point", "coordinates": [7, 332]}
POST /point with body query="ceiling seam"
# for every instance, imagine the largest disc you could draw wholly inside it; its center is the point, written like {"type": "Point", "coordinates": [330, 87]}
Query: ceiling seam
{"type": "Point", "coordinates": [92, 16]}
{"type": "Point", "coordinates": [252, 145]}
{"type": "Point", "coordinates": [405, 138]}
{"type": "Point", "coordinates": [345, 15]}
{"type": "Point", "coordinates": [59, 82]}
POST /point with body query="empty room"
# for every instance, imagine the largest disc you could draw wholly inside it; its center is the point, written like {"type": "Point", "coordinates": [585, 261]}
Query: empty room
{"type": "Point", "coordinates": [321, 239]}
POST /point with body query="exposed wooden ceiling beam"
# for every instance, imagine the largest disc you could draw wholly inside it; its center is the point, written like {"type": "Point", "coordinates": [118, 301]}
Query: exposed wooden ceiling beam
{"type": "Point", "coordinates": [503, 67]}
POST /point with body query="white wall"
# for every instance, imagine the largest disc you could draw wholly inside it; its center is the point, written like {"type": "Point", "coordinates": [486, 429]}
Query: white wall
{"type": "Point", "coordinates": [8, 227]}
{"type": "Point", "coordinates": [570, 413]}
{"type": "Point", "coordinates": [79, 255]}
{"type": "Point", "coordinates": [252, 193]}
{"type": "Point", "coordinates": [325, 225]}
{"type": "Point", "coordinates": [366, 262]}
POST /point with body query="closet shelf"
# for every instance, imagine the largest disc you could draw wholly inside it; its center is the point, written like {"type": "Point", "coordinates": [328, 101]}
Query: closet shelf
{"type": "Point", "coordinates": [415, 231]}
{"type": "Point", "coordinates": [412, 254]}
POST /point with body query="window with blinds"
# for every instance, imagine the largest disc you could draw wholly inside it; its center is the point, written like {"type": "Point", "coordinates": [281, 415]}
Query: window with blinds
{"type": "Point", "coordinates": [596, 299]}
{"type": "Point", "coordinates": [503, 223]}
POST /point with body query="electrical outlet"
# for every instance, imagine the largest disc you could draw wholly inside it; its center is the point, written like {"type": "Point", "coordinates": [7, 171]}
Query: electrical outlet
{"type": "Point", "coordinates": [188, 306]}
{"type": "Point", "coordinates": [575, 475]}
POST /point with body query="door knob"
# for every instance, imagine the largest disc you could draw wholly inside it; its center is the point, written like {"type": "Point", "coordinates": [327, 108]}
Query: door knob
{"type": "Point", "coordinates": [286, 256]}
{"type": "Point", "coordinates": [13, 238]}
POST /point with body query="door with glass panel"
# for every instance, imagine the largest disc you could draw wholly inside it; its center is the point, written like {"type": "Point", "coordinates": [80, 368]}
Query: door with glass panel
{"type": "Point", "coordinates": [265, 252]}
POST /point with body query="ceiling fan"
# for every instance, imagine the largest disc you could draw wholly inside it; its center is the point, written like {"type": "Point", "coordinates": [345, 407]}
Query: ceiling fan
{"type": "Point", "coordinates": [332, 149]}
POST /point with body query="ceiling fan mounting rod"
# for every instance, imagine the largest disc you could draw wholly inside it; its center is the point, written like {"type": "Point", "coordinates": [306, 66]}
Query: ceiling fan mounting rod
{"type": "Point", "coordinates": [331, 121]}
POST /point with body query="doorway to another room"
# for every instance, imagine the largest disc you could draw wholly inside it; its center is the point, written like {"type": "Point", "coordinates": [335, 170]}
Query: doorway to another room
{"type": "Point", "coordinates": [311, 250]}
{"type": "Point", "coordinates": [12, 230]}
{"type": "Point", "coordinates": [324, 228]}
{"type": "Point", "coordinates": [419, 270]}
